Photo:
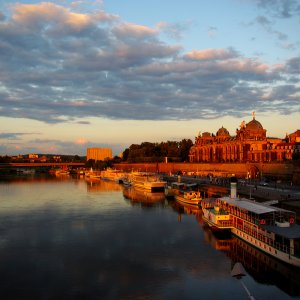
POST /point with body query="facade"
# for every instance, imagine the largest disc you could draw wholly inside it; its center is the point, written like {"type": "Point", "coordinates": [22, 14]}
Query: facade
{"type": "Point", "coordinates": [98, 153]}
{"type": "Point", "coordinates": [250, 144]}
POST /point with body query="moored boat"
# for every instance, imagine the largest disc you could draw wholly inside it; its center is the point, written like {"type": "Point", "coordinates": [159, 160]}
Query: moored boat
{"type": "Point", "coordinates": [215, 216]}
{"type": "Point", "coordinates": [112, 175]}
{"type": "Point", "coordinates": [148, 181]}
{"type": "Point", "coordinates": [190, 197]}
{"type": "Point", "coordinates": [270, 229]}
{"type": "Point", "coordinates": [177, 188]}
{"type": "Point", "coordinates": [93, 174]}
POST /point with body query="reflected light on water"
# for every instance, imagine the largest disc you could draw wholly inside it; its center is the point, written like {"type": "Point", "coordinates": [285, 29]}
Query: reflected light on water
{"type": "Point", "coordinates": [77, 239]}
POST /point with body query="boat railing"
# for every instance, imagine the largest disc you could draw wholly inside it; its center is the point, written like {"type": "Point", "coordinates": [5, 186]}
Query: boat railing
{"type": "Point", "coordinates": [224, 223]}
{"type": "Point", "coordinates": [262, 238]}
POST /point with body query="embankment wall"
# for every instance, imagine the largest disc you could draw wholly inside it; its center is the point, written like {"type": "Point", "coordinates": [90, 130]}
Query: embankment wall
{"type": "Point", "coordinates": [282, 171]}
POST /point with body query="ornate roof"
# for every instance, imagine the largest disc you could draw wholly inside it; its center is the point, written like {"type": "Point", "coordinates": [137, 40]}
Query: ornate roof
{"type": "Point", "coordinates": [206, 134]}
{"type": "Point", "coordinates": [254, 125]}
{"type": "Point", "coordinates": [223, 132]}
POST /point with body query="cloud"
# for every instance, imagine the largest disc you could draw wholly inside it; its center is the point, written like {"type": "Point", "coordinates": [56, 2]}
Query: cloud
{"type": "Point", "coordinates": [174, 30]}
{"type": "Point", "coordinates": [54, 146]}
{"type": "Point", "coordinates": [13, 135]}
{"type": "Point", "coordinates": [212, 31]}
{"type": "Point", "coordinates": [280, 8]}
{"type": "Point", "coordinates": [211, 54]}
{"type": "Point", "coordinates": [267, 25]}
{"type": "Point", "coordinates": [61, 65]}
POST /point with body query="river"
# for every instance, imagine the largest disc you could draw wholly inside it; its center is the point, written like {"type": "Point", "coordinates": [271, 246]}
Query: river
{"type": "Point", "coordinates": [69, 238]}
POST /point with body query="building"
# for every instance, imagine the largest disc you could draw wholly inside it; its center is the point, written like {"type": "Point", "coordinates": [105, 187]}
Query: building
{"type": "Point", "coordinates": [98, 153]}
{"type": "Point", "coordinates": [250, 144]}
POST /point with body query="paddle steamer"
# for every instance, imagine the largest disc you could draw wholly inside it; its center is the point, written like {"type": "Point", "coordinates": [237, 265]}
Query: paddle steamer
{"type": "Point", "coordinates": [271, 229]}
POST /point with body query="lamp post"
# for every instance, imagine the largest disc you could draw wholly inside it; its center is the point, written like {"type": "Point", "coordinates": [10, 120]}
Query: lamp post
{"type": "Point", "coordinates": [238, 272]}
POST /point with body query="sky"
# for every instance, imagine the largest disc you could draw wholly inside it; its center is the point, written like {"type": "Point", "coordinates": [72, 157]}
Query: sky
{"type": "Point", "coordinates": [79, 74]}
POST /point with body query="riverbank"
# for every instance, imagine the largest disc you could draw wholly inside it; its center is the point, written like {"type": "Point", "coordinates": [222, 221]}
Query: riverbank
{"type": "Point", "coordinates": [288, 197]}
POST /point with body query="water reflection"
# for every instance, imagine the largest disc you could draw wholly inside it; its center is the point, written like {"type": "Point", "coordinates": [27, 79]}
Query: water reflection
{"type": "Point", "coordinates": [98, 185]}
{"type": "Point", "coordinates": [78, 239]}
{"type": "Point", "coordinates": [143, 197]}
{"type": "Point", "coordinates": [220, 241]}
{"type": "Point", "coordinates": [264, 268]}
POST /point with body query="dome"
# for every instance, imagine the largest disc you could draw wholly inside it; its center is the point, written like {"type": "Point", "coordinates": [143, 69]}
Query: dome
{"type": "Point", "coordinates": [206, 134]}
{"type": "Point", "coordinates": [223, 132]}
{"type": "Point", "coordinates": [254, 125]}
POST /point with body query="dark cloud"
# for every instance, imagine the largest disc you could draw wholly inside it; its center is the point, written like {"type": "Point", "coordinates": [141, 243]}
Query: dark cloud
{"type": "Point", "coordinates": [58, 66]}
{"type": "Point", "coordinates": [293, 66]}
{"type": "Point", "coordinates": [268, 26]}
{"type": "Point", "coordinates": [280, 8]}
{"type": "Point", "coordinates": [13, 135]}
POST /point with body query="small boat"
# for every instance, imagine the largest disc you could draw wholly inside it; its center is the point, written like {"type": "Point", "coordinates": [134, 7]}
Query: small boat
{"type": "Point", "coordinates": [177, 188]}
{"type": "Point", "coordinates": [93, 174]}
{"type": "Point", "coordinates": [215, 216]}
{"type": "Point", "coordinates": [60, 171]}
{"type": "Point", "coordinates": [190, 197]}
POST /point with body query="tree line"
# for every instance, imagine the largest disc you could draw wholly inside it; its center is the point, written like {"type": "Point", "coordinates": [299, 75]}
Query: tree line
{"type": "Point", "coordinates": [157, 152]}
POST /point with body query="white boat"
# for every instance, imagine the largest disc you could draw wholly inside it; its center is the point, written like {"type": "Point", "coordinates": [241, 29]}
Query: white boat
{"type": "Point", "coordinates": [270, 229]}
{"type": "Point", "coordinates": [190, 197]}
{"type": "Point", "coordinates": [61, 172]}
{"type": "Point", "coordinates": [113, 175]}
{"type": "Point", "coordinates": [148, 181]}
{"type": "Point", "coordinates": [93, 174]}
{"type": "Point", "coordinates": [215, 216]}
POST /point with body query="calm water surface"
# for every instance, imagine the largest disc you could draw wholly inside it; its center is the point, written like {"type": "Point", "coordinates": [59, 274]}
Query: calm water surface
{"type": "Point", "coordinates": [66, 238]}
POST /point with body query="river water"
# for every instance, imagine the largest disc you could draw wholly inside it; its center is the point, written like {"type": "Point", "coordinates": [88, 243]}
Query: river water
{"type": "Point", "coordinates": [68, 238]}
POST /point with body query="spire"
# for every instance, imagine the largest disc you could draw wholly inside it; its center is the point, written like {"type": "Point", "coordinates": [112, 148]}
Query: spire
{"type": "Point", "coordinates": [253, 114]}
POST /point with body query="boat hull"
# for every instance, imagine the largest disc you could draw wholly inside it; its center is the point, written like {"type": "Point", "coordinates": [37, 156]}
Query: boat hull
{"type": "Point", "coordinates": [266, 248]}
{"type": "Point", "coordinates": [193, 201]}
{"type": "Point", "coordinates": [148, 182]}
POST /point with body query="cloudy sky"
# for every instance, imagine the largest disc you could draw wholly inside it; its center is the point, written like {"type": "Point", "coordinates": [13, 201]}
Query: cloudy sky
{"type": "Point", "coordinates": [78, 74]}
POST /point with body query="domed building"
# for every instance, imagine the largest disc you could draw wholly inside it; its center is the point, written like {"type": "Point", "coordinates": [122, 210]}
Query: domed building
{"type": "Point", "coordinates": [249, 145]}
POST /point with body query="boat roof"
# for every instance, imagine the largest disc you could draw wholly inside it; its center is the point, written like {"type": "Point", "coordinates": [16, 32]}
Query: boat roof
{"type": "Point", "coordinates": [255, 207]}
{"type": "Point", "coordinates": [291, 232]}
{"type": "Point", "coordinates": [177, 183]}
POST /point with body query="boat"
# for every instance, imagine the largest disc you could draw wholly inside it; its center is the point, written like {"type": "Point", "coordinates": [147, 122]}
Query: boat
{"type": "Point", "coordinates": [173, 189]}
{"type": "Point", "coordinates": [148, 181]}
{"type": "Point", "coordinates": [215, 216]}
{"type": "Point", "coordinates": [112, 175]}
{"type": "Point", "coordinates": [59, 172]}
{"type": "Point", "coordinates": [177, 188]}
{"type": "Point", "coordinates": [189, 197]}
{"type": "Point", "coordinates": [271, 229]}
{"type": "Point", "coordinates": [93, 174]}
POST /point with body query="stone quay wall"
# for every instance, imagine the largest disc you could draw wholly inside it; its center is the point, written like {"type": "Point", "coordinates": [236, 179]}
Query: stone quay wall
{"type": "Point", "coordinates": [289, 172]}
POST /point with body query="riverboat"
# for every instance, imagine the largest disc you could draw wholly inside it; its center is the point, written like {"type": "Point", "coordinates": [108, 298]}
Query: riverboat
{"type": "Point", "coordinates": [148, 181]}
{"type": "Point", "coordinates": [270, 229]}
{"type": "Point", "coordinates": [113, 175]}
{"type": "Point", "coordinates": [190, 197]}
{"type": "Point", "coordinates": [177, 188]}
{"type": "Point", "coordinates": [93, 174]}
{"type": "Point", "coordinates": [215, 216]}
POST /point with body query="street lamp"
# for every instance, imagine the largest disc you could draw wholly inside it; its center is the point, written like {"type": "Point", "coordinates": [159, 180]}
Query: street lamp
{"type": "Point", "coordinates": [238, 272]}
